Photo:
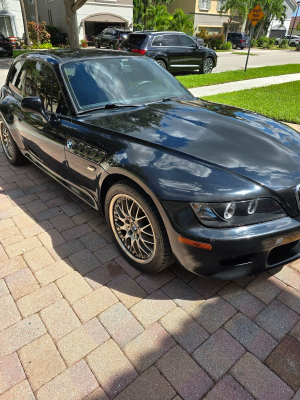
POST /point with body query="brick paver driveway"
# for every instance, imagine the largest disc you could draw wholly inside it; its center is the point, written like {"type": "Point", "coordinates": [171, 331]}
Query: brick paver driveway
{"type": "Point", "coordinates": [78, 322]}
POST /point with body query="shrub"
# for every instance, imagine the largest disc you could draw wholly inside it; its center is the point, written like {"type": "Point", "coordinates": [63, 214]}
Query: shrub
{"type": "Point", "coordinates": [204, 34]}
{"type": "Point", "coordinates": [298, 46]}
{"type": "Point", "coordinates": [216, 41]}
{"type": "Point", "coordinates": [44, 36]}
{"type": "Point", "coordinates": [284, 44]}
{"type": "Point", "coordinates": [254, 43]}
{"type": "Point", "coordinates": [46, 46]}
{"type": "Point", "coordinates": [225, 46]}
{"type": "Point", "coordinates": [272, 41]}
{"type": "Point", "coordinates": [262, 41]}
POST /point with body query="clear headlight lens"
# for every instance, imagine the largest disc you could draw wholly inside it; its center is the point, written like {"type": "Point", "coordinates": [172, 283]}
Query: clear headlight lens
{"type": "Point", "coordinates": [239, 213]}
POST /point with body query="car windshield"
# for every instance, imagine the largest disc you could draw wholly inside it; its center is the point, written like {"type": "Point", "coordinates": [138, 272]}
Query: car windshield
{"type": "Point", "coordinates": [99, 82]}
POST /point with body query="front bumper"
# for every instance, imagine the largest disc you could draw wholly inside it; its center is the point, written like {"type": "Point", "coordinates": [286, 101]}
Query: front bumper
{"type": "Point", "coordinates": [235, 252]}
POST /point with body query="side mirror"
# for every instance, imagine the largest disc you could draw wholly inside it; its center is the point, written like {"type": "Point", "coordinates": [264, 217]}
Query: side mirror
{"type": "Point", "coordinates": [35, 105]}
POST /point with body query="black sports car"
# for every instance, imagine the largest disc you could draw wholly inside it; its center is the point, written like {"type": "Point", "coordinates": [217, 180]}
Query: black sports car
{"type": "Point", "coordinates": [213, 186]}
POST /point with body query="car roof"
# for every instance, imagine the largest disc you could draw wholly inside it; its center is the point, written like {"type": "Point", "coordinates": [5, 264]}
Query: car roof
{"type": "Point", "coordinates": [156, 32]}
{"type": "Point", "coordinates": [65, 55]}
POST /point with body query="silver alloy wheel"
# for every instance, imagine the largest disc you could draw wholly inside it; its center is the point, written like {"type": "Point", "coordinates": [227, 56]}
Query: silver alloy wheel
{"type": "Point", "coordinates": [6, 140]}
{"type": "Point", "coordinates": [234, 46]}
{"type": "Point", "coordinates": [208, 66]}
{"type": "Point", "coordinates": [132, 228]}
{"type": "Point", "coordinates": [161, 63]}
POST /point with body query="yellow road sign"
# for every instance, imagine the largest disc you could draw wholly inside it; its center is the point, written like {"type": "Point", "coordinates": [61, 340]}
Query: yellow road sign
{"type": "Point", "coordinates": [256, 14]}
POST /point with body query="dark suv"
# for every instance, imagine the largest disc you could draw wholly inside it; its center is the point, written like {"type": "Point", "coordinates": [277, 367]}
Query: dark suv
{"type": "Point", "coordinates": [174, 51]}
{"type": "Point", "coordinates": [6, 46]}
{"type": "Point", "coordinates": [112, 37]}
{"type": "Point", "coordinates": [238, 40]}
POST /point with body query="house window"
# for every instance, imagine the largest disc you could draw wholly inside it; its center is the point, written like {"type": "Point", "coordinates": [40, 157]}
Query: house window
{"type": "Point", "coordinates": [204, 4]}
{"type": "Point", "coordinates": [6, 26]}
{"type": "Point", "coordinates": [220, 4]}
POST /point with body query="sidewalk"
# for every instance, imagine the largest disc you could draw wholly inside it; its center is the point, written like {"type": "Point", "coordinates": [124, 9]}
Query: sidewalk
{"type": "Point", "coordinates": [241, 85]}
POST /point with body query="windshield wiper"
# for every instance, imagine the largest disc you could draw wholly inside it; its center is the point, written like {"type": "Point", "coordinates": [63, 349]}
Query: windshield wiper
{"type": "Point", "coordinates": [108, 106]}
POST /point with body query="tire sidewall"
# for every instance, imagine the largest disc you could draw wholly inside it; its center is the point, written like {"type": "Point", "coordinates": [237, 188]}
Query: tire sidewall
{"type": "Point", "coordinates": [154, 264]}
{"type": "Point", "coordinates": [13, 159]}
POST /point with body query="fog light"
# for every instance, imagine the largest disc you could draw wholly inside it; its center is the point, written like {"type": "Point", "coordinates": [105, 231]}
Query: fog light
{"type": "Point", "coordinates": [229, 210]}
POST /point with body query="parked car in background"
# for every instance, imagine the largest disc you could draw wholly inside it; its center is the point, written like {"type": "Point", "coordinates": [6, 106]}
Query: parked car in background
{"type": "Point", "coordinates": [215, 187]}
{"type": "Point", "coordinates": [112, 37]}
{"type": "Point", "coordinates": [238, 40]}
{"type": "Point", "coordinates": [174, 51]}
{"type": "Point", "coordinates": [6, 47]}
{"type": "Point", "coordinates": [14, 41]}
{"type": "Point", "coordinates": [292, 39]}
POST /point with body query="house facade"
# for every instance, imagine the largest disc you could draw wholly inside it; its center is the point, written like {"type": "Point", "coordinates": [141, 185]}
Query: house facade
{"type": "Point", "coordinates": [11, 20]}
{"type": "Point", "coordinates": [207, 15]}
{"type": "Point", "coordinates": [92, 18]}
{"type": "Point", "coordinates": [276, 28]}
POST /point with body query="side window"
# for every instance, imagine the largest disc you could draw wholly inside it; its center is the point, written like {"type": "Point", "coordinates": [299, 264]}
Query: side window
{"type": "Point", "coordinates": [171, 40]}
{"type": "Point", "coordinates": [158, 41]}
{"type": "Point", "coordinates": [14, 81]}
{"type": "Point", "coordinates": [49, 90]}
{"type": "Point", "coordinates": [187, 41]}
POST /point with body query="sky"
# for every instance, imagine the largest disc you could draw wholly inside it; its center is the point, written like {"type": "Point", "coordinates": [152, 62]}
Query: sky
{"type": "Point", "coordinates": [298, 14]}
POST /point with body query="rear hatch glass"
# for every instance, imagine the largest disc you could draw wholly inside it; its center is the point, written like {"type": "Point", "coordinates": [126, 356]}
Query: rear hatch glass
{"type": "Point", "coordinates": [135, 41]}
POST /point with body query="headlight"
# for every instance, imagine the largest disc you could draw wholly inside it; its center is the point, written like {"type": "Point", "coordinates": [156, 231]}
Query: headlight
{"type": "Point", "coordinates": [239, 213]}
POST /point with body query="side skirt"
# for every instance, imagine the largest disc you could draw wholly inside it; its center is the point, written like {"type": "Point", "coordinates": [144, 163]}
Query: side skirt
{"type": "Point", "coordinates": [78, 191]}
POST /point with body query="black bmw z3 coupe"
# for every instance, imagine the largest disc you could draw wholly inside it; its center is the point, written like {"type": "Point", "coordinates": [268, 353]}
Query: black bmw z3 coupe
{"type": "Point", "coordinates": [214, 187]}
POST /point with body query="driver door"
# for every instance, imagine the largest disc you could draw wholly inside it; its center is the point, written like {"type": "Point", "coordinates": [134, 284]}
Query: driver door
{"type": "Point", "coordinates": [44, 140]}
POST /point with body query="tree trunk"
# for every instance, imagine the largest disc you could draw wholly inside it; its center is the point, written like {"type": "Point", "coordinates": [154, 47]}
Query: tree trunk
{"type": "Point", "coordinates": [37, 23]}
{"type": "Point", "coordinates": [27, 40]}
{"type": "Point", "coordinates": [261, 24]}
{"type": "Point", "coordinates": [71, 24]}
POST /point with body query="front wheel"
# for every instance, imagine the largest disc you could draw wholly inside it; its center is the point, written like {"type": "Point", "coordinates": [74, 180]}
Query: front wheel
{"type": "Point", "coordinates": [11, 150]}
{"type": "Point", "coordinates": [137, 227]}
{"type": "Point", "coordinates": [207, 66]}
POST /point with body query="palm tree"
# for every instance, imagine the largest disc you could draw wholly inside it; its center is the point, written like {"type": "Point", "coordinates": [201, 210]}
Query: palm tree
{"type": "Point", "coordinates": [182, 22]}
{"type": "Point", "coordinates": [240, 7]}
{"type": "Point", "coordinates": [156, 17]}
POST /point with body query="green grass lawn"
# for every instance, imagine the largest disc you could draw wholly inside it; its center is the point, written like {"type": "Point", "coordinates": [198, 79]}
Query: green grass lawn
{"type": "Point", "coordinates": [243, 53]}
{"type": "Point", "coordinates": [199, 80]}
{"type": "Point", "coordinates": [280, 102]}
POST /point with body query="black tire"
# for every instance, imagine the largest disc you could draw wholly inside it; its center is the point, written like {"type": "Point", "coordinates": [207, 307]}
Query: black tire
{"type": "Point", "coordinates": [132, 197]}
{"type": "Point", "coordinates": [293, 45]}
{"type": "Point", "coordinates": [161, 63]}
{"type": "Point", "coordinates": [234, 46]}
{"type": "Point", "coordinates": [111, 46]}
{"type": "Point", "coordinates": [276, 43]}
{"type": "Point", "coordinates": [11, 150]}
{"type": "Point", "coordinates": [97, 44]}
{"type": "Point", "coordinates": [207, 66]}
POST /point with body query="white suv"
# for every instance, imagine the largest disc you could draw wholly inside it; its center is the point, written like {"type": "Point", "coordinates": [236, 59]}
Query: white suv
{"type": "Point", "coordinates": [294, 40]}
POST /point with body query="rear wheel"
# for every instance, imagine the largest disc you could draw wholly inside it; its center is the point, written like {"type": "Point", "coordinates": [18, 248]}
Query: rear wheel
{"type": "Point", "coordinates": [293, 44]}
{"type": "Point", "coordinates": [161, 63]}
{"type": "Point", "coordinates": [97, 44]}
{"type": "Point", "coordinates": [111, 46]}
{"type": "Point", "coordinates": [207, 66]}
{"type": "Point", "coordinates": [11, 150]}
{"type": "Point", "coordinates": [137, 227]}
{"type": "Point", "coordinates": [234, 46]}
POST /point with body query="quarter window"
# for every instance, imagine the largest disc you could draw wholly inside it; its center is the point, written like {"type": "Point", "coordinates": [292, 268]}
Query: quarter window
{"type": "Point", "coordinates": [171, 40]}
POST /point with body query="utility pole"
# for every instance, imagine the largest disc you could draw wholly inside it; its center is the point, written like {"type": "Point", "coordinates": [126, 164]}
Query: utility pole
{"type": "Point", "coordinates": [28, 44]}
{"type": "Point", "coordinates": [37, 22]}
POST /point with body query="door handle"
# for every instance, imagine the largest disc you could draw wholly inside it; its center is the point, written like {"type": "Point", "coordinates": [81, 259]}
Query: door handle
{"type": "Point", "coordinates": [91, 168]}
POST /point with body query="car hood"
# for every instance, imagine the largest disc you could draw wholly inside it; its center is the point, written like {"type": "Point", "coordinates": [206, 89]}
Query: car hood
{"type": "Point", "coordinates": [245, 143]}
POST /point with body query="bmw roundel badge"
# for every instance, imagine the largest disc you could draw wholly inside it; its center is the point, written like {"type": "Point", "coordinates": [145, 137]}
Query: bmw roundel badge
{"type": "Point", "coordinates": [69, 144]}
